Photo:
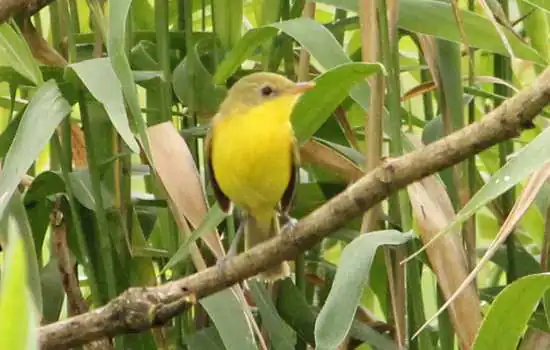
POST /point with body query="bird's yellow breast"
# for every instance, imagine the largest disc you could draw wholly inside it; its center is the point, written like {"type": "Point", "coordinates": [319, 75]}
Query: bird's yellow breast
{"type": "Point", "coordinates": [251, 155]}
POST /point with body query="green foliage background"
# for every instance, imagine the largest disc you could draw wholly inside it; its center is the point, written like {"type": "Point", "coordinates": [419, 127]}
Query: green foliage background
{"type": "Point", "coordinates": [74, 132]}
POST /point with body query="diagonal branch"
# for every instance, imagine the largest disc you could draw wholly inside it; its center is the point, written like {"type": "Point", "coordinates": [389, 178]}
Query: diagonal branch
{"type": "Point", "coordinates": [139, 309]}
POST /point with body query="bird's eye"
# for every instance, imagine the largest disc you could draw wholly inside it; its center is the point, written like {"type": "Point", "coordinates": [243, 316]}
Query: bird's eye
{"type": "Point", "coordinates": [267, 91]}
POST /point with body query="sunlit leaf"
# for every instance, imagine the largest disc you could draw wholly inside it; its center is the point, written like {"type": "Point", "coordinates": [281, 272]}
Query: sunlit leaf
{"type": "Point", "coordinates": [15, 220]}
{"type": "Point", "coordinates": [322, 45]}
{"type": "Point", "coordinates": [314, 107]}
{"type": "Point", "coordinates": [228, 16]}
{"type": "Point", "coordinates": [480, 32]}
{"type": "Point", "coordinates": [15, 53]}
{"type": "Point", "coordinates": [518, 299]}
{"type": "Point", "coordinates": [44, 113]}
{"type": "Point", "coordinates": [18, 323]}
{"type": "Point", "coordinates": [116, 47]}
{"type": "Point", "coordinates": [542, 4]}
{"type": "Point", "coordinates": [100, 80]}
{"type": "Point", "coordinates": [242, 50]}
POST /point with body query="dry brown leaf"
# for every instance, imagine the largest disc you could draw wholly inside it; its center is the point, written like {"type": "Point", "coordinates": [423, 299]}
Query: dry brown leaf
{"type": "Point", "coordinates": [433, 211]}
{"type": "Point", "coordinates": [459, 22]}
{"type": "Point", "coordinates": [491, 16]}
{"type": "Point", "coordinates": [175, 167]}
{"type": "Point", "coordinates": [316, 153]}
{"type": "Point", "coordinates": [535, 339]}
{"type": "Point", "coordinates": [427, 43]}
{"type": "Point", "coordinates": [418, 90]}
{"type": "Point", "coordinates": [370, 52]}
{"type": "Point", "coordinates": [40, 48]}
{"type": "Point", "coordinates": [78, 147]}
{"type": "Point", "coordinates": [429, 86]}
{"type": "Point", "coordinates": [303, 61]}
{"type": "Point", "coordinates": [340, 115]}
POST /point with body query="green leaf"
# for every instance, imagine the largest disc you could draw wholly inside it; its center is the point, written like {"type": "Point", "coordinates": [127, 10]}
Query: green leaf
{"type": "Point", "coordinates": [480, 32]}
{"type": "Point", "coordinates": [537, 30]}
{"type": "Point", "coordinates": [331, 88]}
{"type": "Point", "coordinates": [118, 13]}
{"type": "Point", "coordinates": [296, 312]}
{"type": "Point", "coordinates": [7, 136]}
{"type": "Point", "coordinates": [228, 17]}
{"type": "Point", "coordinates": [38, 213]}
{"type": "Point", "coordinates": [143, 56]}
{"type": "Point", "coordinates": [15, 53]}
{"type": "Point", "coordinates": [433, 130]}
{"type": "Point", "coordinates": [518, 299]}
{"type": "Point", "coordinates": [205, 339]}
{"type": "Point", "coordinates": [100, 79]}
{"type": "Point", "coordinates": [541, 4]}
{"type": "Point", "coordinates": [526, 264]}
{"type": "Point", "coordinates": [209, 224]}
{"type": "Point", "coordinates": [45, 184]}
{"type": "Point", "coordinates": [317, 39]}
{"type": "Point", "coordinates": [142, 11]}
{"type": "Point", "coordinates": [336, 316]}
{"type": "Point", "coordinates": [39, 206]}
{"type": "Point", "coordinates": [142, 268]}
{"type": "Point", "coordinates": [226, 311]}
{"type": "Point", "coordinates": [81, 183]}
{"type": "Point", "coordinates": [18, 324]}
{"type": "Point", "coordinates": [52, 291]}
{"type": "Point", "coordinates": [243, 49]}
{"type": "Point", "coordinates": [194, 86]}
{"type": "Point", "coordinates": [322, 45]}
{"type": "Point", "coordinates": [280, 333]}
{"type": "Point", "coordinates": [44, 113]}
{"type": "Point", "coordinates": [527, 160]}
{"type": "Point", "coordinates": [15, 219]}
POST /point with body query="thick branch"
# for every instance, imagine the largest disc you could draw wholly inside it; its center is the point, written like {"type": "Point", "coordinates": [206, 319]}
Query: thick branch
{"type": "Point", "coordinates": [142, 308]}
{"type": "Point", "coordinates": [27, 8]}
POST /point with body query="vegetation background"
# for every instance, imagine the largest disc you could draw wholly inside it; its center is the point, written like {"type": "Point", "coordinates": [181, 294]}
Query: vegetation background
{"type": "Point", "coordinates": [86, 85]}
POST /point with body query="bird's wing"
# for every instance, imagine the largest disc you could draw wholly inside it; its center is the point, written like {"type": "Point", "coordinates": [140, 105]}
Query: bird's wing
{"type": "Point", "coordinates": [222, 199]}
{"type": "Point", "coordinates": [288, 195]}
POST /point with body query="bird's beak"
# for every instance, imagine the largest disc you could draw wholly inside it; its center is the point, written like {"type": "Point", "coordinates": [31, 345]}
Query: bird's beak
{"type": "Point", "coordinates": [302, 87]}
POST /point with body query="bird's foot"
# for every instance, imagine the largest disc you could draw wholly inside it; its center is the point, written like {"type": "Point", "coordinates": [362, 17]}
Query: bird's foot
{"type": "Point", "coordinates": [289, 224]}
{"type": "Point", "coordinates": [232, 252]}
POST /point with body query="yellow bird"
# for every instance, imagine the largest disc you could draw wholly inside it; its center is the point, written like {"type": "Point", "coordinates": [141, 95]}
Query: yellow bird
{"type": "Point", "coordinates": [252, 155]}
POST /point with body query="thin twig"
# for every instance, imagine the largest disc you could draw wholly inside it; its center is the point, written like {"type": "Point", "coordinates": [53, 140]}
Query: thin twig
{"type": "Point", "coordinates": [76, 304]}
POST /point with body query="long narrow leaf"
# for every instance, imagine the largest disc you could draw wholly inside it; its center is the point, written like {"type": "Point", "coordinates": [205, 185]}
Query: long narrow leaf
{"type": "Point", "coordinates": [511, 311]}
{"type": "Point", "coordinates": [100, 79]}
{"type": "Point", "coordinates": [44, 113]}
{"type": "Point", "coordinates": [314, 108]}
{"type": "Point", "coordinates": [230, 319]}
{"type": "Point", "coordinates": [18, 324]}
{"type": "Point", "coordinates": [15, 53]}
{"type": "Point", "coordinates": [336, 316]}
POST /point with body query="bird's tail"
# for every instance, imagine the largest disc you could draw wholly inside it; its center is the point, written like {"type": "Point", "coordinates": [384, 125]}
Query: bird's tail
{"type": "Point", "coordinates": [259, 229]}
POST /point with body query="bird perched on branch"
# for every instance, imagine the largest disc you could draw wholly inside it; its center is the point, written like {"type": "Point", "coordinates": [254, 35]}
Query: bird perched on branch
{"type": "Point", "coordinates": [252, 156]}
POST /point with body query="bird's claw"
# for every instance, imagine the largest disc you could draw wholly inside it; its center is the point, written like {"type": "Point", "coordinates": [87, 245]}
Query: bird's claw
{"type": "Point", "coordinates": [289, 224]}
{"type": "Point", "coordinates": [232, 252]}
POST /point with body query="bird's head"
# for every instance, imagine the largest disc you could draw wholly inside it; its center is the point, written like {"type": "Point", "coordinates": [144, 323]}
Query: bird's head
{"type": "Point", "coordinates": [258, 88]}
